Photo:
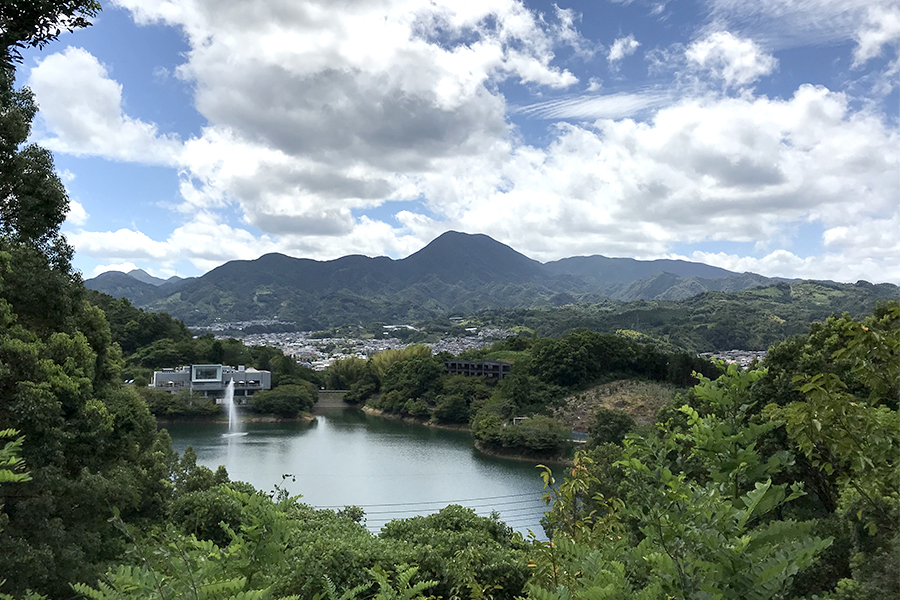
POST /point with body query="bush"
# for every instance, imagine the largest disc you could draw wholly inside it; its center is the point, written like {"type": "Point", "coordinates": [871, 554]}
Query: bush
{"type": "Point", "coordinates": [285, 400]}
{"type": "Point", "coordinates": [452, 409]}
{"type": "Point", "coordinates": [487, 427]}
{"type": "Point", "coordinates": [416, 408]}
{"type": "Point", "coordinates": [610, 427]}
{"type": "Point", "coordinates": [362, 390]}
{"type": "Point", "coordinates": [539, 434]}
{"type": "Point", "coordinates": [183, 403]}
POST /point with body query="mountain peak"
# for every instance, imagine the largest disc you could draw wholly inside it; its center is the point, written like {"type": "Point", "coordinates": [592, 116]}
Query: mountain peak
{"type": "Point", "coordinates": [455, 256]}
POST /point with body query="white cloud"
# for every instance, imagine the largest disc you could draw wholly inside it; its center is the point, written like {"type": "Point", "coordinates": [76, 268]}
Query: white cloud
{"type": "Point", "coordinates": [794, 23]}
{"type": "Point", "coordinates": [882, 27]}
{"type": "Point", "coordinates": [621, 48]}
{"type": "Point", "coordinates": [122, 244]}
{"type": "Point", "coordinates": [76, 216]}
{"type": "Point", "coordinates": [359, 99]}
{"type": "Point", "coordinates": [707, 168]}
{"type": "Point", "coordinates": [318, 111]}
{"type": "Point", "coordinates": [737, 169]}
{"type": "Point", "coordinates": [82, 107]}
{"type": "Point", "coordinates": [598, 106]}
{"type": "Point", "coordinates": [828, 266]}
{"type": "Point", "coordinates": [123, 267]}
{"type": "Point", "coordinates": [738, 62]}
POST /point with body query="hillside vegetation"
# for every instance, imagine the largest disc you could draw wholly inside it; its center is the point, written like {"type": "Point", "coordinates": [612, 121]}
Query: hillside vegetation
{"type": "Point", "coordinates": [461, 274]}
{"type": "Point", "coordinates": [777, 483]}
{"type": "Point", "coordinates": [639, 399]}
{"type": "Point", "coordinates": [751, 319]}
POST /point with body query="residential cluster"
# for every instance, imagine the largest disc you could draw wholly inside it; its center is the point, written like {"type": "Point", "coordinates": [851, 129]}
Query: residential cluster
{"type": "Point", "coordinates": [744, 358]}
{"type": "Point", "coordinates": [319, 353]}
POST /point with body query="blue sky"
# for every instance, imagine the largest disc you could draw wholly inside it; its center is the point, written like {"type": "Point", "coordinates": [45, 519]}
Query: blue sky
{"type": "Point", "coordinates": [757, 136]}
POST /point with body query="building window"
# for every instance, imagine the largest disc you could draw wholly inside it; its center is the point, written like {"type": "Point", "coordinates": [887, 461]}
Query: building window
{"type": "Point", "coordinates": [206, 373]}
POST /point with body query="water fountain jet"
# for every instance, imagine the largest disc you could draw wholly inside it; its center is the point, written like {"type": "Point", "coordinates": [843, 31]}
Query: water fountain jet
{"type": "Point", "coordinates": [234, 419]}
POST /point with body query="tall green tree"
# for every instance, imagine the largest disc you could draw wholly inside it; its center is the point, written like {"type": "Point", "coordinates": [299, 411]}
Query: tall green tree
{"type": "Point", "coordinates": [35, 23]}
{"type": "Point", "coordinates": [90, 445]}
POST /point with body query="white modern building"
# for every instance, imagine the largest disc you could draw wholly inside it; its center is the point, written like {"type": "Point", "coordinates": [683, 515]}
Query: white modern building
{"type": "Point", "coordinates": [211, 381]}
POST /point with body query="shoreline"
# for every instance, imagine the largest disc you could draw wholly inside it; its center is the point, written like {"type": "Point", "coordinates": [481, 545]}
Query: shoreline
{"type": "Point", "coordinates": [478, 445]}
{"type": "Point", "coordinates": [376, 412]}
{"type": "Point", "coordinates": [525, 458]}
{"type": "Point", "coordinates": [223, 419]}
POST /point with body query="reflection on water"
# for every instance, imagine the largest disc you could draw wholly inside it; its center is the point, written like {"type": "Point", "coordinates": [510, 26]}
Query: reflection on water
{"type": "Point", "coordinates": [391, 469]}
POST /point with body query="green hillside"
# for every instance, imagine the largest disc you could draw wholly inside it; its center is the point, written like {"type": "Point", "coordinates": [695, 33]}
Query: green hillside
{"type": "Point", "coordinates": [751, 319]}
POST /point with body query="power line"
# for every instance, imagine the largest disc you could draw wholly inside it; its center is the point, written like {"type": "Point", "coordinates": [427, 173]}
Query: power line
{"type": "Point", "coordinates": [492, 505]}
{"type": "Point", "coordinates": [504, 517]}
{"type": "Point", "coordinates": [445, 502]}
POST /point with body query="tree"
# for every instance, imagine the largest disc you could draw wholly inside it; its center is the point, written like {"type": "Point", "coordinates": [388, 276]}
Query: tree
{"type": "Point", "coordinates": [285, 400]}
{"type": "Point", "coordinates": [39, 283]}
{"type": "Point", "coordinates": [855, 438]}
{"type": "Point", "coordinates": [36, 23]}
{"type": "Point", "coordinates": [610, 426]}
{"type": "Point", "coordinates": [90, 445]}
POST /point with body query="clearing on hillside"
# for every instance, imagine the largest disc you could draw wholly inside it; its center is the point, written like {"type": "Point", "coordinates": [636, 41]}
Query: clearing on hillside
{"type": "Point", "coordinates": [640, 399]}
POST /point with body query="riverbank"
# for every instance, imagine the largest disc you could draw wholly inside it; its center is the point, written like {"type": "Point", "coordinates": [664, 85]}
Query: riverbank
{"type": "Point", "coordinates": [507, 454]}
{"type": "Point", "coordinates": [481, 447]}
{"type": "Point", "coordinates": [245, 418]}
{"type": "Point", "coordinates": [375, 412]}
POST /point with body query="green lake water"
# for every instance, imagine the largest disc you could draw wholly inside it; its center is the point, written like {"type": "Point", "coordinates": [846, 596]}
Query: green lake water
{"type": "Point", "coordinates": [391, 469]}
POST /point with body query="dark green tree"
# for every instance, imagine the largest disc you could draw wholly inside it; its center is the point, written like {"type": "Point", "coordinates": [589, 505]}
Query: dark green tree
{"type": "Point", "coordinates": [285, 400]}
{"type": "Point", "coordinates": [35, 23]}
{"type": "Point", "coordinates": [610, 427]}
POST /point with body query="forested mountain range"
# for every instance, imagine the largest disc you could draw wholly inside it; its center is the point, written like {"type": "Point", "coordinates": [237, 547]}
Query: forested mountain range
{"type": "Point", "coordinates": [455, 273]}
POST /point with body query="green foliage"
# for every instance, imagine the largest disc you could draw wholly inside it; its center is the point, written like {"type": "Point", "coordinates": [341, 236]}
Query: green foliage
{"type": "Point", "coordinates": [855, 439]}
{"type": "Point", "coordinates": [463, 553]}
{"type": "Point", "coordinates": [416, 408]}
{"type": "Point", "coordinates": [89, 445]}
{"type": "Point", "coordinates": [171, 566]}
{"type": "Point", "coordinates": [415, 377]}
{"type": "Point", "coordinates": [689, 539]}
{"type": "Point", "coordinates": [610, 427]}
{"type": "Point", "coordinates": [12, 466]}
{"type": "Point", "coordinates": [180, 404]}
{"type": "Point", "coordinates": [752, 319]}
{"type": "Point", "coordinates": [344, 373]}
{"type": "Point", "coordinates": [707, 507]}
{"type": "Point", "coordinates": [724, 441]}
{"type": "Point", "coordinates": [285, 400]}
{"type": "Point", "coordinates": [539, 435]}
{"type": "Point", "coordinates": [133, 328]}
{"type": "Point", "coordinates": [401, 588]}
{"type": "Point", "coordinates": [35, 23]}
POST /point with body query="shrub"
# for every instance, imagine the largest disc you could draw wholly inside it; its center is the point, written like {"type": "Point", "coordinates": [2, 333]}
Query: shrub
{"type": "Point", "coordinates": [610, 427]}
{"type": "Point", "coordinates": [285, 400]}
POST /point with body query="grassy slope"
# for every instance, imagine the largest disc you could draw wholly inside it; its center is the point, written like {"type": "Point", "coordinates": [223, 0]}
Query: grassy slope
{"type": "Point", "coordinates": [640, 399]}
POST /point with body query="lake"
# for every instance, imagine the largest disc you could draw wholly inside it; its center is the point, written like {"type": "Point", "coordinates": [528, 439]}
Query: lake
{"type": "Point", "coordinates": [391, 469]}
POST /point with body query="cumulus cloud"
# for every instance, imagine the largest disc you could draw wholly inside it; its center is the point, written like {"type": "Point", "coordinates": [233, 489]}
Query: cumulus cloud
{"type": "Point", "coordinates": [317, 109]}
{"type": "Point", "coordinates": [122, 244]}
{"type": "Point", "coordinates": [316, 112]}
{"type": "Point", "coordinates": [734, 169]}
{"type": "Point", "coordinates": [621, 48]}
{"type": "Point", "coordinates": [882, 27]}
{"type": "Point", "coordinates": [82, 107]}
{"type": "Point", "coordinates": [123, 267]}
{"type": "Point", "coordinates": [828, 266]}
{"type": "Point", "coordinates": [76, 216]}
{"type": "Point", "coordinates": [738, 62]}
